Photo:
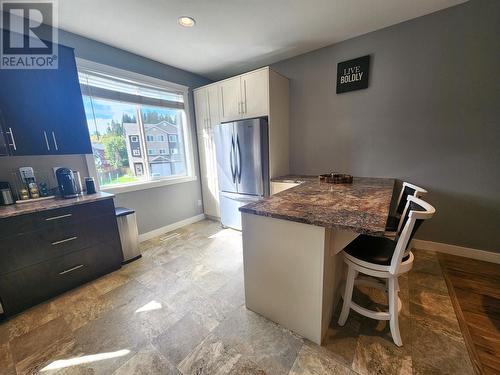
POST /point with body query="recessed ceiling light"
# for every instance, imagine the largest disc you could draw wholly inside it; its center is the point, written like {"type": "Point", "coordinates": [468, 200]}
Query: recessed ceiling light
{"type": "Point", "coordinates": [186, 21]}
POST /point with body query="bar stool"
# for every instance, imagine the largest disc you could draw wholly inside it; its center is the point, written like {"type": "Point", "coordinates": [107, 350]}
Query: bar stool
{"type": "Point", "coordinates": [394, 221]}
{"type": "Point", "coordinates": [383, 258]}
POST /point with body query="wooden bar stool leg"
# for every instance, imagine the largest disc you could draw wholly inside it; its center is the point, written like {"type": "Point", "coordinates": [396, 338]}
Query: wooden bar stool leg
{"type": "Point", "coordinates": [349, 286]}
{"type": "Point", "coordinates": [393, 310]}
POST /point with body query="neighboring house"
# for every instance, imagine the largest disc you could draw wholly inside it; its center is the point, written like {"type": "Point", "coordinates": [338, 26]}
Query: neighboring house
{"type": "Point", "coordinates": [163, 150]}
{"type": "Point", "coordinates": [134, 148]}
{"type": "Point", "coordinates": [99, 156]}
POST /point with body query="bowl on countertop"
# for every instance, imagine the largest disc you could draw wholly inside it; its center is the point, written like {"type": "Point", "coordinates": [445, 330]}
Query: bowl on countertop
{"type": "Point", "coordinates": [336, 178]}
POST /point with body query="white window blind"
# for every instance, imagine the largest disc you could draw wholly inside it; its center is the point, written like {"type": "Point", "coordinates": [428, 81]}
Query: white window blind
{"type": "Point", "coordinates": [104, 86]}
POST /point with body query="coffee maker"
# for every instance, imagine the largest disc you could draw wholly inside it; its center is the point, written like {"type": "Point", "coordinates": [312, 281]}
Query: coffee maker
{"type": "Point", "coordinates": [67, 183]}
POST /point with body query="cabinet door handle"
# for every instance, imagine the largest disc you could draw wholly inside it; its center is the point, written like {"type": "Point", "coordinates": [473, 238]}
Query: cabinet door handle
{"type": "Point", "coordinates": [63, 241]}
{"type": "Point", "coordinates": [46, 140]}
{"type": "Point", "coordinates": [13, 144]}
{"type": "Point", "coordinates": [58, 217]}
{"type": "Point", "coordinates": [71, 269]}
{"type": "Point", "coordinates": [245, 91]}
{"type": "Point", "coordinates": [55, 141]}
{"type": "Point", "coordinates": [222, 100]}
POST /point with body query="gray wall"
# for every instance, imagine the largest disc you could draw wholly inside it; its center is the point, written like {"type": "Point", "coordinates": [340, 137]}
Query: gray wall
{"type": "Point", "coordinates": [430, 116]}
{"type": "Point", "coordinates": [155, 207]}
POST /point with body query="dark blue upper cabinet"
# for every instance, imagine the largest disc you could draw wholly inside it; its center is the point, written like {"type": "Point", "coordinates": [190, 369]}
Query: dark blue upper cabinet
{"type": "Point", "coordinates": [22, 114]}
{"type": "Point", "coordinates": [42, 109]}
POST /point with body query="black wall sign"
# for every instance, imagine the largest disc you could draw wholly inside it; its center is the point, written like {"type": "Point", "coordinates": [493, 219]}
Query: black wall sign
{"type": "Point", "coordinates": [353, 74]}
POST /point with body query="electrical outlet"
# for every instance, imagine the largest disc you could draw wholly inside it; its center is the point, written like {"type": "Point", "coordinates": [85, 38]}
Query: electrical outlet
{"type": "Point", "coordinates": [199, 202]}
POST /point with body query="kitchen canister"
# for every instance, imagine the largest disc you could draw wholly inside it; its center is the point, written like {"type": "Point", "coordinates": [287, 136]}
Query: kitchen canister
{"type": "Point", "coordinates": [90, 185]}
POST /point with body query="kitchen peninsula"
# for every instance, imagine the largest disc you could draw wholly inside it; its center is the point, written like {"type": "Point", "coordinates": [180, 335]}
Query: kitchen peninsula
{"type": "Point", "coordinates": [291, 246]}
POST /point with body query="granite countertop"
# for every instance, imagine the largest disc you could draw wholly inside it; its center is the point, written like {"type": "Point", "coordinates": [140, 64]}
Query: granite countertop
{"type": "Point", "coordinates": [294, 178]}
{"type": "Point", "coordinates": [49, 204]}
{"type": "Point", "coordinates": [362, 206]}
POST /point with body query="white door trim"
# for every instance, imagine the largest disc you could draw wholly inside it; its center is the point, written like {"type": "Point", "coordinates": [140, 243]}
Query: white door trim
{"type": "Point", "coordinates": [487, 256]}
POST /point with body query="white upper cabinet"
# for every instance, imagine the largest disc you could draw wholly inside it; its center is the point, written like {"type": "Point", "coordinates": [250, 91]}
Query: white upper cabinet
{"type": "Point", "coordinates": [230, 99]}
{"type": "Point", "coordinates": [255, 94]}
{"type": "Point", "coordinates": [201, 111]}
{"type": "Point", "coordinates": [245, 96]}
{"type": "Point", "coordinates": [213, 106]}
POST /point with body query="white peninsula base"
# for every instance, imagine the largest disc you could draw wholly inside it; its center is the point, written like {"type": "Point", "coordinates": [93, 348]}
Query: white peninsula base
{"type": "Point", "coordinates": [292, 272]}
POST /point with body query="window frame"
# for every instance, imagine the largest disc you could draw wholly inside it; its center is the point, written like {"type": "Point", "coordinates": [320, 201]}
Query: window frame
{"type": "Point", "coordinates": [187, 129]}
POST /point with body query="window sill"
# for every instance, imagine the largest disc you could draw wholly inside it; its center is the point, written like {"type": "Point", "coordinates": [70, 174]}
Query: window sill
{"type": "Point", "coordinates": [119, 189]}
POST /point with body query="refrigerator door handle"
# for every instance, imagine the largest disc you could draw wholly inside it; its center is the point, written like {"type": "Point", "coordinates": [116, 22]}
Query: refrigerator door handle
{"type": "Point", "coordinates": [233, 172]}
{"type": "Point", "coordinates": [239, 157]}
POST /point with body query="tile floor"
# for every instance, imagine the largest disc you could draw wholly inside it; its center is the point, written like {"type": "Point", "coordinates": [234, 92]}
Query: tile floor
{"type": "Point", "coordinates": [180, 310]}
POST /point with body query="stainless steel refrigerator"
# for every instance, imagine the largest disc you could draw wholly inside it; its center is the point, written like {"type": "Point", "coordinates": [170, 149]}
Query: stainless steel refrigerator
{"type": "Point", "coordinates": [242, 166]}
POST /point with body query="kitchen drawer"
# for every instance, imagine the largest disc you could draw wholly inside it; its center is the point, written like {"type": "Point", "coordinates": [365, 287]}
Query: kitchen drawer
{"type": "Point", "coordinates": [75, 213]}
{"type": "Point", "coordinates": [31, 285]}
{"type": "Point", "coordinates": [23, 250]}
{"type": "Point", "coordinates": [51, 218]}
{"type": "Point", "coordinates": [16, 224]}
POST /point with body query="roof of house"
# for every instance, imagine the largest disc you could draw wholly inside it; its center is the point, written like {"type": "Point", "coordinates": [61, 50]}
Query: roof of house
{"type": "Point", "coordinates": [163, 126]}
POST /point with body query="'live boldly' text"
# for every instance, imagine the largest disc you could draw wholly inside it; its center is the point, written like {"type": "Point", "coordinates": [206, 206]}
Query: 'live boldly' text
{"type": "Point", "coordinates": [351, 74]}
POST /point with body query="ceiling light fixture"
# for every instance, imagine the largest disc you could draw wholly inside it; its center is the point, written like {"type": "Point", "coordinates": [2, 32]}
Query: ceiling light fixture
{"type": "Point", "coordinates": [186, 21]}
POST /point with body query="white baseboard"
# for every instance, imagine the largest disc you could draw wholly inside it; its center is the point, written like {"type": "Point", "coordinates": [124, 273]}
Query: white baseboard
{"type": "Point", "coordinates": [168, 228]}
{"type": "Point", "coordinates": [487, 256]}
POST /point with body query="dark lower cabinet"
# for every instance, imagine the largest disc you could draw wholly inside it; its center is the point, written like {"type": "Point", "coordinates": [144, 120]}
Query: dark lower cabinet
{"type": "Point", "coordinates": [58, 240]}
{"type": "Point", "coordinates": [34, 284]}
{"type": "Point", "coordinates": [36, 265]}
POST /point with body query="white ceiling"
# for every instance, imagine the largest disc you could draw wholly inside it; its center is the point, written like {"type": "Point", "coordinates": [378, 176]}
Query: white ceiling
{"type": "Point", "coordinates": [232, 36]}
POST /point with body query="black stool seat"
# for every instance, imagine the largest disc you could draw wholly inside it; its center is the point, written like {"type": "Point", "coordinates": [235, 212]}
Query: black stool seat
{"type": "Point", "coordinates": [377, 250]}
{"type": "Point", "coordinates": [123, 211]}
{"type": "Point", "coordinates": [392, 224]}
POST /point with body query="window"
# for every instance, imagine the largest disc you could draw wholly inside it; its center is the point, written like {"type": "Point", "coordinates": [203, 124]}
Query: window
{"type": "Point", "coordinates": [124, 116]}
{"type": "Point", "coordinates": [174, 151]}
{"type": "Point", "coordinates": [138, 169]}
